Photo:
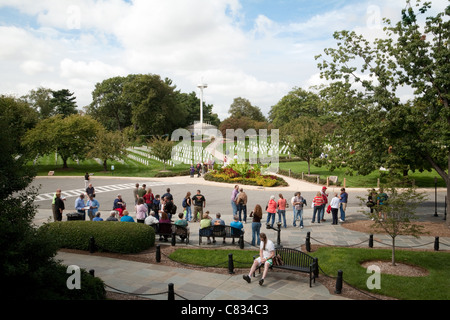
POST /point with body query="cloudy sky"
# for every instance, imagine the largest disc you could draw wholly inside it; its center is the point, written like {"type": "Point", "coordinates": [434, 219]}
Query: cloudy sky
{"type": "Point", "coordinates": [255, 49]}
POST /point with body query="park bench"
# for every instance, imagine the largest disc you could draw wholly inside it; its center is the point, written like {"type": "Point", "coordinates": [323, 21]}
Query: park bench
{"type": "Point", "coordinates": [296, 260]}
{"type": "Point", "coordinates": [221, 231]}
{"type": "Point", "coordinates": [168, 230]}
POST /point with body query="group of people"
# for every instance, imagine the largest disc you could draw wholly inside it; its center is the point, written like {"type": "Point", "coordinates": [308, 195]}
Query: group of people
{"type": "Point", "coordinates": [337, 203]}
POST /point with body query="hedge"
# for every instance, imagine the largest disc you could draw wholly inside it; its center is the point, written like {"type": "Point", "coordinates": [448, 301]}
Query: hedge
{"type": "Point", "coordinates": [109, 236]}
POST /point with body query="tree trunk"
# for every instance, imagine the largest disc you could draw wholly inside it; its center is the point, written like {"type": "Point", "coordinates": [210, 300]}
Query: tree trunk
{"type": "Point", "coordinates": [105, 167]}
{"type": "Point", "coordinates": [309, 166]}
{"type": "Point", "coordinates": [65, 166]}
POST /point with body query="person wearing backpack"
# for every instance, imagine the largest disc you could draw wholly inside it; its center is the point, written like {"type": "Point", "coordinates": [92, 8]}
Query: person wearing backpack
{"type": "Point", "coordinates": [187, 206]}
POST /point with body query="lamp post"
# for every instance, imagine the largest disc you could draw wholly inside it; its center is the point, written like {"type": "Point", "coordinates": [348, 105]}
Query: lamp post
{"type": "Point", "coordinates": [201, 87]}
{"type": "Point", "coordinates": [435, 197]}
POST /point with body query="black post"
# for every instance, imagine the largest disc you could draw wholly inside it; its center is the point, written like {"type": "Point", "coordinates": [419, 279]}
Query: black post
{"type": "Point", "coordinates": [91, 245]}
{"type": "Point", "coordinates": [158, 253]}
{"type": "Point", "coordinates": [445, 209]}
{"type": "Point", "coordinates": [316, 267]}
{"type": "Point", "coordinates": [371, 241]}
{"type": "Point", "coordinates": [435, 197]}
{"type": "Point", "coordinates": [436, 244]}
{"type": "Point", "coordinates": [339, 282]}
{"type": "Point", "coordinates": [171, 293]}
{"type": "Point", "coordinates": [230, 263]}
{"type": "Point", "coordinates": [308, 241]}
{"type": "Point", "coordinates": [92, 272]}
{"type": "Point", "coordinates": [279, 236]}
{"type": "Point", "coordinates": [174, 239]}
{"type": "Point", "coordinates": [241, 241]}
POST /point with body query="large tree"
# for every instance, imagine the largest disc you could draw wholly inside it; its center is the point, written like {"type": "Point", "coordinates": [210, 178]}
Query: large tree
{"type": "Point", "coordinates": [70, 137]}
{"type": "Point", "coordinates": [242, 107]}
{"type": "Point", "coordinates": [368, 80]}
{"type": "Point", "coordinates": [63, 102]}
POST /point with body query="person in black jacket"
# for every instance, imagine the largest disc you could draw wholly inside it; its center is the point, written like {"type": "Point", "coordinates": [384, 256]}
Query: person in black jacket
{"type": "Point", "coordinates": [59, 206]}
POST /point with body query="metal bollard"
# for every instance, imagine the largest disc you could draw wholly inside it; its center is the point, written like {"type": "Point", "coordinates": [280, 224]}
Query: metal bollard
{"type": "Point", "coordinates": [230, 263]}
{"type": "Point", "coordinates": [91, 245]}
{"type": "Point", "coordinates": [371, 241]}
{"type": "Point", "coordinates": [436, 244]}
{"type": "Point", "coordinates": [171, 293]}
{"type": "Point", "coordinates": [339, 282]}
{"type": "Point", "coordinates": [174, 239]}
{"type": "Point", "coordinates": [92, 272]}
{"type": "Point", "coordinates": [308, 241]}
{"type": "Point", "coordinates": [158, 253]}
{"type": "Point", "coordinates": [241, 241]}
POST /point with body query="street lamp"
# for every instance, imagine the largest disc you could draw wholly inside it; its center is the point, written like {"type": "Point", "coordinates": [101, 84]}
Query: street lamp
{"type": "Point", "coordinates": [201, 87]}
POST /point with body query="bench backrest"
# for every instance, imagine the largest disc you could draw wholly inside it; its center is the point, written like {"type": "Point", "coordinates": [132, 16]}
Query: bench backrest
{"type": "Point", "coordinates": [165, 228]}
{"type": "Point", "coordinates": [294, 257]}
{"type": "Point", "coordinates": [220, 231]}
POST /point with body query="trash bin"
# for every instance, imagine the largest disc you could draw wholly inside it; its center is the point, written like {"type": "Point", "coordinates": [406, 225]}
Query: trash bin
{"type": "Point", "coordinates": [74, 216]}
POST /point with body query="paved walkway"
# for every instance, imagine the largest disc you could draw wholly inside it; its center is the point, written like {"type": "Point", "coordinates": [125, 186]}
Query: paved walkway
{"type": "Point", "coordinates": [144, 278]}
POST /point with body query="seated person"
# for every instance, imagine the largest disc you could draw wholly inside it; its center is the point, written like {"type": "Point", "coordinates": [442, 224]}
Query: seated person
{"type": "Point", "coordinates": [205, 223]}
{"type": "Point", "coordinates": [119, 205]}
{"type": "Point", "coordinates": [236, 224]}
{"type": "Point", "coordinates": [126, 217]}
{"type": "Point", "coordinates": [112, 216]}
{"type": "Point", "coordinates": [151, 219]}
{"type": "Point", "coordinates": [97, 217]}
{"type": "Point", "coordinates": [164, 219]}
{"type": "Point", "coordinates": [182, 223]}
{"type": "Point", "coordinates": [218, 222]}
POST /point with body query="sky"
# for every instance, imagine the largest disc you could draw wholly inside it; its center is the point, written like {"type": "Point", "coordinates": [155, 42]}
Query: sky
{"type": "Point", "coordinates": [259, 50]}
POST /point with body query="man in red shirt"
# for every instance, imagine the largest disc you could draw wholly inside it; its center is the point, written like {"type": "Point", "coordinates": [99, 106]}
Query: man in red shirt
{"type": "Point", "coordinates": [325, 202]}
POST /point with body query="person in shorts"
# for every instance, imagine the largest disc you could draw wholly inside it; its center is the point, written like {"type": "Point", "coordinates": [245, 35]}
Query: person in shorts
{"type": "Point", "coordinates": [266, 254]}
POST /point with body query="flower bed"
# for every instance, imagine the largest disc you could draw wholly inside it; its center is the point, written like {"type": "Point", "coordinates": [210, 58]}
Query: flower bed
{"type": "Point", "coordinates": [244, 174]}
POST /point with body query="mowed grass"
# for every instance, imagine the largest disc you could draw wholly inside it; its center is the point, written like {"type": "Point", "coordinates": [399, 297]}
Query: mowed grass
{"type": "Point", "coordinates": [422, 179]}
{"type": "Point", "coordinates": [434, 286]}
{"type": "Point", "coordinates": [127, 168]}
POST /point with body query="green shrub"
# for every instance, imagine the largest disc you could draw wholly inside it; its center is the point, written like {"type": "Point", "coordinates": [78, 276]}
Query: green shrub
{"type": "Point", "coordinates": [110, 236]}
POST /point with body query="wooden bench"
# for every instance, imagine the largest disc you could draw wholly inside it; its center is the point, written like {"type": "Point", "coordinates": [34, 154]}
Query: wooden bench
{"type": "Point", "coordinates": [221, 231]}
{"type": "Point", "coordinates": [295, 260]}
{"type": "Point", "coordinates": [167, 230]}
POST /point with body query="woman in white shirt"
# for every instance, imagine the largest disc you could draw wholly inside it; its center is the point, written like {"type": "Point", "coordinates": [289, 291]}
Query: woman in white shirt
{"type": "Point", "coordinates": [334, 204]}
{"type": "Point", "coordinates": [266, 253]}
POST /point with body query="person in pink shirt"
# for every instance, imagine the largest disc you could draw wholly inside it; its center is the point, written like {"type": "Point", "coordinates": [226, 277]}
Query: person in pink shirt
{"type": "Point", "coordinates": [271, 210]}
{"type": "Point", "coordinates": [141, 210]}
{"type": "Point", "coordinates": [282, 209]}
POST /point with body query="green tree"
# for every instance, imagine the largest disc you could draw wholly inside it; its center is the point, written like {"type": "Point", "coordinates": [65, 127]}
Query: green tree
{"type": "Point", "coordinates": [414, 55]}
{"type": "Point", "coordinates": [305, 137]}
{"type": "Point", "coordinates": [109, 106]}
{"type": "Point", "coordinates": [70, 137]}
{"type": "Point", "coordinates": [294, 105]}
{"type": "Point", "coordinates": [161, 148]}
{"type": "Point", "coordinates": [108, 145]}
{"type": "Point", "coordinates": [242, 107]}
{"type": "Point", "coordinates": [63, 102]}
{"type": "Point", "coordinates": [191, 103]}
{"type": "Point", "coordinates": [40, 100]}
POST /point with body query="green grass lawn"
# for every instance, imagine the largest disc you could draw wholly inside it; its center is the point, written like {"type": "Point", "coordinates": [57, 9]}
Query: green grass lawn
{"type": "Point", "coordinates": [434, 286]}
{"type": "Point", "coordinates": [422, 179]}
{"type": "Point", "coordinates": [129, 168]}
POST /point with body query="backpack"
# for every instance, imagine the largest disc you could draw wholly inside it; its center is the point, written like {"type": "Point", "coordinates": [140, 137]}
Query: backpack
{"type": "Point", "coordinates": [184, 204]}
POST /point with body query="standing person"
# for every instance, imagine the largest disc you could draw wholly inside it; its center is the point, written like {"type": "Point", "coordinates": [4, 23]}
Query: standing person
{"type": "Point", "coordinates": [167, 195]}
{"type": "Point", "coordinates": [80, 206]}
{"type": "Point", "coordinates": [90, 190]}
{"type": "Point", "coordinates": [135, 193]}
{"type": "Point", "coordinates": [59, 206]}
{"type": "Point", "coordinates": [141, 210]}
{"type": "Point", "coordinates": [371, 199]}
{"type": "Point", "coordinates": [93, 205]}
{"type": "Point", "coordinates": [234, 194]}
{"type": "Point", "coordinates": [187, 206]}
{"type": "Point", "coordinates": [325, 202]}
{"type": "Point", "coordinates": [54, 211]}
{"type": "Point", "coordinates": [148, 199]}
{"type": "Point", "coordinates": [318, 205]}
{"type": "Point", "coordinates": [199, 204]}
{"type": "Point", "coordinates": [157, 206]}
{"type": "Point", "coordinates": [256, 224]}
{"type": "Point", "coordinates": [142, 191]}
{"type": "Point", "coordinates": [86, 180]}
{"type": "Point", "coordinates": [281, 204]}
{"type": "Point", "coordinates": [199, 169]}
{"type": "Point", "coordinates": [335, 204]}
{"type": "Point", "coordinates": [241, 204]}
{"type": "Point", "coordinates": [271, 210]}
{"type": "Point", "coordinates": [298, 204]}
{"type": "Point", "coordinates": [294, 209]}
{"type": "Point", "coordinates": [343, 198]}
{"type": "Point", "coordinates": [192, 170]}
{"type": "Point", "coordinates": [266, 254]}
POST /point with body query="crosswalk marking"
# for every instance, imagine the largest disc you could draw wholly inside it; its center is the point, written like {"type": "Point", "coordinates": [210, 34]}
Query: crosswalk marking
{"type": "Point", "coordinates": [101, 189]}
